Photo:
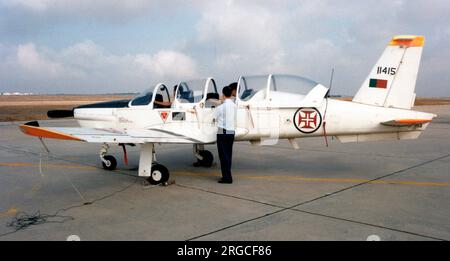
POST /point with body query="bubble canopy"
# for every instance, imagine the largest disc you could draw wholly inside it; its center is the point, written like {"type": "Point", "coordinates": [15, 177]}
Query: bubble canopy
{"type": "Point", "coordinates": [194, 91]}
{"type": "Point", "coordinates": [147, 97]}
{"type": "Point", "coordinates": [258, 87]}
{"type": "Point", "coordinates": [291, 83]}
{"type": "Point", "coordinates": [250, 88]}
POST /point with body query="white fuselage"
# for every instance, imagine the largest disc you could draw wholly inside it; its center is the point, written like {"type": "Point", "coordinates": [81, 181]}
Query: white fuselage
{"type": "Point", "coordinates": [349, 121]}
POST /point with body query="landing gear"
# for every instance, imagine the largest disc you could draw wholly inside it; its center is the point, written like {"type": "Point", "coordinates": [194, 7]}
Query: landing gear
{"type": "Point", "coordinates": [159, 174]}
{"type": "Point", "coordinates": [207, 158]}
{"type": "Point", "coordinates": [154, 172]}
{"type": "Point", "coordinates": [204, 157]}
{"type": "Point", "coordinates": [108, 161]}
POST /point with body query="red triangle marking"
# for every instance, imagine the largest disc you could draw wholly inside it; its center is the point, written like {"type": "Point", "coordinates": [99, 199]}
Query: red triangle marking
{"type": "Point", "coordinates": [163, 115]}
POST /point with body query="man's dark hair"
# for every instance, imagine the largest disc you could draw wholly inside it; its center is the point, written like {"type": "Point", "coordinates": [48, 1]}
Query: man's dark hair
{"type": "Point", "coordinates": [233, 86]}
{"type": "Point", "coordinates": [226, 91]}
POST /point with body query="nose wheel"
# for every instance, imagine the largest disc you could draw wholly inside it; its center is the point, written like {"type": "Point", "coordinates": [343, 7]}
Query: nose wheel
{"type": "Point", "coordinates": [159, 174]}
{"type": "Point", "coordinates": [109, 162]}
{"type": "Point", "coordinates": [206, 159]}
{"type": "Point", "coordinates": [154, 173]}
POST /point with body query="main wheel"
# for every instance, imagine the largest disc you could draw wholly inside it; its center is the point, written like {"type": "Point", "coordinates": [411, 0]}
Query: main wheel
{"type": "Point", "coordinates": [207, 158]}
{"type": "Point", "coordinates": [159, 174]}
{"type": "Point", "coordinates": [111, 162]}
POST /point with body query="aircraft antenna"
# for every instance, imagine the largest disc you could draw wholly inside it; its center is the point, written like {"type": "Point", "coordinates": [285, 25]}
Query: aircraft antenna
{"type": "Point", "coordinates": [331, 82]}
{"type": "Point", "coordinates": [326, 108]}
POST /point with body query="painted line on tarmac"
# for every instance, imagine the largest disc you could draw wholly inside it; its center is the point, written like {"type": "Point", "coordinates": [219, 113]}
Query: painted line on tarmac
{"type": "Point", "coordinates": [271, 178]}
{"type": "Point", "coordinates": [323, 180]}
{"type": "Point", "coordinates": [12, 211]}
{"type": "Point", "coordinates": [27, 164]}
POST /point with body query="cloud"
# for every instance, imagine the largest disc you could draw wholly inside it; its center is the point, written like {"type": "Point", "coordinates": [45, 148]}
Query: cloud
{"type": "Point", "coordinates": [79, 6]}
{"type": "Point", "coordinates": [35, 5]}
{"type": "Point", "coordinates": [108, 10]}
{"type": "Point", "coordinates": [224, 39]}
{"type": "Point", "coordinates": [87, 67]}
{"type": "Point", "coordinates": [33, 63]}
{"type": "Point", "coordinates": [311, 37]}
{"type": "Point", "coordinates": [167, 64]}
{"type": "Point", "coordinates": [238, 38]}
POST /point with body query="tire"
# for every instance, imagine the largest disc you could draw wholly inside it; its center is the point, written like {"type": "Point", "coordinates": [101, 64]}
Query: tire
{"type": "Point", "coordinates": [207, 158]}
{"type": "Point", "coordinates": [159, 174]}
{"type": "Point", "coordinates": [112, 162]}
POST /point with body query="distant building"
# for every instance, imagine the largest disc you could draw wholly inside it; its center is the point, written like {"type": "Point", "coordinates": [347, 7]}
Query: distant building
{"type": "Point", "coordinates": [15, 93]}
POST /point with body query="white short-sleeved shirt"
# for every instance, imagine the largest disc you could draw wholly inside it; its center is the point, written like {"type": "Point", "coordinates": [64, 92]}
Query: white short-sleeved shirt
{"type": "Point", "coordinates": [226, 115]}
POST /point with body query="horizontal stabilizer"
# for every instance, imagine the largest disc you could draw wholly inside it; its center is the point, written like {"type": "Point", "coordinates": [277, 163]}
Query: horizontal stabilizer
{"type": "Point", "coordinates": [405, 122]}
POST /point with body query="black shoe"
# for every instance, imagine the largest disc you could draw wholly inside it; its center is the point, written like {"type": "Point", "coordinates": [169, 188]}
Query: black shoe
{"type": "Point", "coordinates": [223, 181]}
{"type": "Point", "coordinates": [196, 164]}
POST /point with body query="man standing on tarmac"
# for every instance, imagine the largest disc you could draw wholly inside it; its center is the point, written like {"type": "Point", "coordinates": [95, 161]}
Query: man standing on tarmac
{"type": "Point", "coordinates": [225, 115]}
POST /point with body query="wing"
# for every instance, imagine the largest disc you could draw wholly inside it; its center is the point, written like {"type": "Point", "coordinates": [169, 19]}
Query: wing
{"type": "Point", "coordinates": [76, 133]}
{"type": "Point", "coordinates": [405, 122]}
{"type": "Point", "coordinates": [109, 135]}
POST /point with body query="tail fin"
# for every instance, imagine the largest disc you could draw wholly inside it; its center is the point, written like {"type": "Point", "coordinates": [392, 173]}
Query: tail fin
{"type": "Point", "coordinates": [392, 81]}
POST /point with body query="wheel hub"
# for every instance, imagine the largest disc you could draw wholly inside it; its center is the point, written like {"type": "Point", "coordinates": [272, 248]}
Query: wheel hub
{"type": "Point", "coordinates": [156, 175]}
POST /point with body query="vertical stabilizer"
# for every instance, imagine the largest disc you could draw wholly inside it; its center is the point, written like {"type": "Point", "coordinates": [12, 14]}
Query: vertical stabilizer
{"type": "Point", "coordinates": [392, 81]}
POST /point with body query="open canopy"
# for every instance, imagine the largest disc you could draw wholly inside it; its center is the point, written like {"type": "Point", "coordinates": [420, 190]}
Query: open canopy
{"type": "Point", "coordinates": [259, 87]}
{"type": "Point", "coordinates": [196, 91]}
{"type": "Point", "coordinates": [276, 87]}
{"type": "Point", "coordinates": [280, 90]}
{"type": "Point", "coordinates": [159, 93]}
{"type": "Point", "coordinates": [291, 84]}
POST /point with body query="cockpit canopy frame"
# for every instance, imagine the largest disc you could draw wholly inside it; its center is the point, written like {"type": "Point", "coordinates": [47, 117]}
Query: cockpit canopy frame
{"type": "Point", "coordinates": [193, 92]}
{"type": "Point", "coordinates": [261, 87]}
{"type": "Point", "coordinates": [148, 97]}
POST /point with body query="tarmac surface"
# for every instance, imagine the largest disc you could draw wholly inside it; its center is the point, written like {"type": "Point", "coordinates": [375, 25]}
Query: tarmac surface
{"type": "Point", "coordinates": [395, 190]}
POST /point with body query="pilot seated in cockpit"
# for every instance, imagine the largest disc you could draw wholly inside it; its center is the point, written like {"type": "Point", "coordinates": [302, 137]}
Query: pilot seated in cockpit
{"type": "Point", "coordinates": [166, 104]}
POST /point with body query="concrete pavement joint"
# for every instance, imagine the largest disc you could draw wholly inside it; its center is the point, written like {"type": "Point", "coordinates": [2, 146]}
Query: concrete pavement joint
{"type": "Point", "coordinates": [81, 205]}
{"type": "Point", "coordinates": [325, 196]}
{"type": "Point", "coordinates": [282, 208]}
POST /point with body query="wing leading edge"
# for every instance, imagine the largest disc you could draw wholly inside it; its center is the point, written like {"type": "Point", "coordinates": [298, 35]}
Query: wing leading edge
{"type": "Point", "coordinates": [106, 135]}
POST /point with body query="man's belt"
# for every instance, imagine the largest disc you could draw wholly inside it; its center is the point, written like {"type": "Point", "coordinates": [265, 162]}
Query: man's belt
{"type": "Point", "coordinates": [224, 131]}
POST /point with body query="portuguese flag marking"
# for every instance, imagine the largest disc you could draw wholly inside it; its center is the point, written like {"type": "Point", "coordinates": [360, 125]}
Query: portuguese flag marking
{"type": "Point", "coordinates": [377, 83]}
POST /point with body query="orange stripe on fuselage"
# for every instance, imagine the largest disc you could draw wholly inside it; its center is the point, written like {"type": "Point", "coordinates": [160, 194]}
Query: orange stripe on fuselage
{"type": "Point", "coordinates": [44, 133]}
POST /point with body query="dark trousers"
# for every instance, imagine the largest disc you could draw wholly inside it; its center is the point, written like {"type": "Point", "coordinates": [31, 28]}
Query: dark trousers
{"type": "Point", "coordinates": [225, 149]}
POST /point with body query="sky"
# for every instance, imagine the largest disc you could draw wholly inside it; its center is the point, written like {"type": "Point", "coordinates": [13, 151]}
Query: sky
{"type": "Point", "coordinates": [114, 46]}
